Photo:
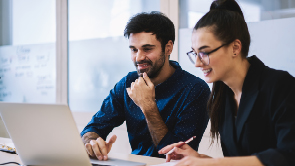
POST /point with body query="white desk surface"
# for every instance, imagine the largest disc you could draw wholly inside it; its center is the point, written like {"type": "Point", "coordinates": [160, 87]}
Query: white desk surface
{"type": "Point", "coordinates": [6, 157]}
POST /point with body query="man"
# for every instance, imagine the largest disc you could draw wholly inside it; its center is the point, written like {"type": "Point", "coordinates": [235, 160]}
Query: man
{"type": "Point", "coordinates": [161, 103]}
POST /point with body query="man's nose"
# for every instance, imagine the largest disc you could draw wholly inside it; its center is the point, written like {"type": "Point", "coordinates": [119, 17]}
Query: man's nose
{"type": "Point", "coordinates": [140, 55]}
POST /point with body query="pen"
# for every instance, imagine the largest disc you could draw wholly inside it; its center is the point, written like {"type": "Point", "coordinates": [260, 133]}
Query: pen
{"type": "Point", "coordinates": [8, 151]}
{"type": "Point", "coordinates": [187, 141]}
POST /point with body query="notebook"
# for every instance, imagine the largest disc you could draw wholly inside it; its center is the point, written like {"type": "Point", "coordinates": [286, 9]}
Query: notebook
{"type": "Point", "coordinates": [46, 134]}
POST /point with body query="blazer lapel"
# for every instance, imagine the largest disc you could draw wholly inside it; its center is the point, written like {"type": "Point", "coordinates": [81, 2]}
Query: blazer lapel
{"type": "Point", "coordinates": [250, 92]}
{"type": "Point", "coordinates": [229, 133]}
{"type": "Point", "coordinates": [247, 102]}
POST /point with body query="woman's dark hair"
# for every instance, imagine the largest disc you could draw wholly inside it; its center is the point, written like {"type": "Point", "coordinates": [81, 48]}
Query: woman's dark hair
{"type": "Point", "coordinates": [154, 22]}
{"type": "Point", "coordinates": [226, 21]}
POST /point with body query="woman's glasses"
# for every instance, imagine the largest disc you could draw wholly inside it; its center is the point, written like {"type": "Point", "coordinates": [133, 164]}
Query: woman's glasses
{"type": "Point", "coordinates": [204, 56]}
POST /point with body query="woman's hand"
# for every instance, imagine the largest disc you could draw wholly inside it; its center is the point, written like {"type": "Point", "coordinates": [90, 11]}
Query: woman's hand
{"type": "Point", "coordinates": [180, 152]}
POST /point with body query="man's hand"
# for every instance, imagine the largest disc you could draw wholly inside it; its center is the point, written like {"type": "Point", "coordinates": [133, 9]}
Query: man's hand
{"type": "Point", "coordinates": [99, 148]}
{"type": "Point", "coordinates": [142, 92]}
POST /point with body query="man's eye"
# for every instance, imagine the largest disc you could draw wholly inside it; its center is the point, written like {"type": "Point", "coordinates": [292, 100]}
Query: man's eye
{"type": "Point", "coordinates": [147, 49]}
{"type": "Point", "coordinates": [133, 50]}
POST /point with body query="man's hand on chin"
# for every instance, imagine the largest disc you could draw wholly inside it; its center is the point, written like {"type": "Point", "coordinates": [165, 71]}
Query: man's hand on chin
{"type": "Point", "coordinates": [142, 92]}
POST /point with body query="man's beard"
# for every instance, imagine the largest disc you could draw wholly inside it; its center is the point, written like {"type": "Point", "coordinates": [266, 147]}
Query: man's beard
{"type": "Point", "coordinates": [154, 69]}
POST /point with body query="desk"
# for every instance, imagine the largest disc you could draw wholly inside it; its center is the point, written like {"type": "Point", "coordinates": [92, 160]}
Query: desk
{"type": "Point", "coordinates": [6, 157]}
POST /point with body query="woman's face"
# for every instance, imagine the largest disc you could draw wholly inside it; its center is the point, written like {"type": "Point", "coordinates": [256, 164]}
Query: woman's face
{"type": "Point", "coordinates": [220, 64]}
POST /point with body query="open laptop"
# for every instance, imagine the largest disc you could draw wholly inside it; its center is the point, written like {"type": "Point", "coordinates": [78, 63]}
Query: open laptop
{"type": "Point", "coordinates": [45, 134]}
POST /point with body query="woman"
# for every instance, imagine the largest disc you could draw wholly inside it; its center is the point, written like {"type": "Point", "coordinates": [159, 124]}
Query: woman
{"type": "Point", "coordinates": [251, 105]}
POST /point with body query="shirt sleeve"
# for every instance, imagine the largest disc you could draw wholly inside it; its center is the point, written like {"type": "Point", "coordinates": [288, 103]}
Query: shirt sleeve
{"type": "Point", "coordinates": [284, 123]}
{"type": "Point", "coordinates": [192, 120]}
{"type": "Point", "coordinates": [111, 113]}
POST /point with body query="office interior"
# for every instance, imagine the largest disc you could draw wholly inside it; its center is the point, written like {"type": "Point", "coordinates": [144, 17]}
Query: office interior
{"type": "Point", "coordinates": [73, 51]}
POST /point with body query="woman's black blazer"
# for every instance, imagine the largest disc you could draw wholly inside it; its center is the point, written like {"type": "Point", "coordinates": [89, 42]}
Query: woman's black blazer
{"type": "Point", "coordinates": [265, 121]}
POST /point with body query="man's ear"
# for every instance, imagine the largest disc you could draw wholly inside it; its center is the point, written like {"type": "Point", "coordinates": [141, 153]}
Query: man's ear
{"type": "Point", "coordinates": [237, 47]}
{"type": "Point", "coordinates": [169, 47]}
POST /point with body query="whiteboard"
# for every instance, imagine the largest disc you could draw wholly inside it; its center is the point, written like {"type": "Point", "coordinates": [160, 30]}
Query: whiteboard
{"type": "Point", "coordinates": [28, 73]}
{"type": "Point", "coordinates": [273, 42]}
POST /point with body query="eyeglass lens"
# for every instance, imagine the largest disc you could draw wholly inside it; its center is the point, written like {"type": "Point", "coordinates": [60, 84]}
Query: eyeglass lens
{"type": "Point", "coordinates": [204, 58]}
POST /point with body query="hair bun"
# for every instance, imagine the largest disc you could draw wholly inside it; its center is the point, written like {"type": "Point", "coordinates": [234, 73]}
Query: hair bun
{"type": "Point", "coordinates": [230, 5]}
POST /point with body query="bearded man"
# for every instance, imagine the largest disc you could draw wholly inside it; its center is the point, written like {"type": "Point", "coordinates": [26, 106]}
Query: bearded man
{"type": "Point", "coordinates": [160, 102]}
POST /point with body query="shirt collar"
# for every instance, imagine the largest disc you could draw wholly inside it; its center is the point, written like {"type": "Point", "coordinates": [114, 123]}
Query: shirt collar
{"type": "Point", "coordinates": [175, 75]}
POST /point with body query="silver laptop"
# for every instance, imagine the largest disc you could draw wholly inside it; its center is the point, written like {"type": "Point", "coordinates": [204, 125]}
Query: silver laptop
{"type": "Point", "coordinates": [45, 134]}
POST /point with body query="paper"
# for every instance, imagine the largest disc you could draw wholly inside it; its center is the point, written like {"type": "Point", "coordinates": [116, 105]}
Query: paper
{"type": "Point", "coordinates": [172, 163]}
{"type": "Point", "coordinates": [114, 161]}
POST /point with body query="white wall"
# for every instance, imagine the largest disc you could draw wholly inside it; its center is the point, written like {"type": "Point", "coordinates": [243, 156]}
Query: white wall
{"type": "Point", "coordinates": [273, 42]}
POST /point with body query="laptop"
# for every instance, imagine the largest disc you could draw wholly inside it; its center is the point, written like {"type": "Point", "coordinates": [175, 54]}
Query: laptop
{"type": "Point", "coordinates": [46, 134]}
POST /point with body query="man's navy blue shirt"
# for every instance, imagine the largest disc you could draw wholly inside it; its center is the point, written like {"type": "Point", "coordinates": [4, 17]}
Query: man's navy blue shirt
{"type": "Point", "coordinates": [181, 101]}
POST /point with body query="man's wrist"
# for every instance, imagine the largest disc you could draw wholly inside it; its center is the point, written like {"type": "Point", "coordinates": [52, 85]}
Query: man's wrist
{"type": "Point", "coordinates": [149, 107]}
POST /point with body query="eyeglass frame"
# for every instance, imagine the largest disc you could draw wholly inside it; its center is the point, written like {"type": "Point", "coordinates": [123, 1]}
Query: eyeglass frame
{"type": "Point", "coordinates": [193, 53]}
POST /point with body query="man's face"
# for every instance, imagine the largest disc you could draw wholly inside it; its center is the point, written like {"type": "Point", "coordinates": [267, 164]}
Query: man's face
{"type": "Point", "coordinates": [146, 53]}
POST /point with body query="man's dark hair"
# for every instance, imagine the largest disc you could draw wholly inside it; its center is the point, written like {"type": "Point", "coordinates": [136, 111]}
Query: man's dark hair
{"type": "Point", "coordinates": [154, 22]}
